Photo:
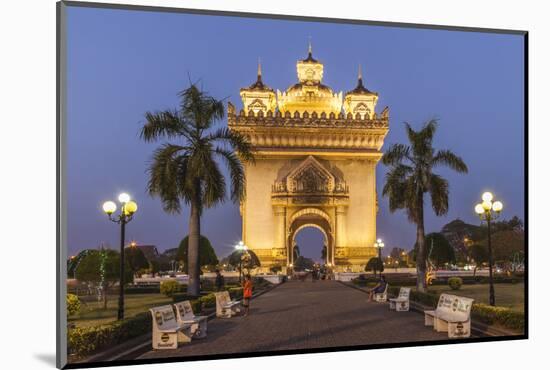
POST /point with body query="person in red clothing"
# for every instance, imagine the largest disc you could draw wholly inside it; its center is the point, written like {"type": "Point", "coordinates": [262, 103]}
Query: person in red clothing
{"type": "Point", "coordinates": [247, 293]}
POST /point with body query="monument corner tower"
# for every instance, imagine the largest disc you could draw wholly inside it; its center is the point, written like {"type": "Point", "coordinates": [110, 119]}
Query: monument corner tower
{"type": "Point", "coordinates": [316, 153]}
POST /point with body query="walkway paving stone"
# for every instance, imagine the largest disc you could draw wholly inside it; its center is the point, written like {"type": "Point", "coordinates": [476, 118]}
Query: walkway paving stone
{"type": "Point", "coordinates": [301, 315]}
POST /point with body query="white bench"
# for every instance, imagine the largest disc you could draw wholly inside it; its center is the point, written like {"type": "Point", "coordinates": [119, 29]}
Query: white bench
{"type": "Point", "coordinates": [382, 297]}
{"type": "Point", "coordinates": [185, 315]}
{"type": "Point", "coordinates": [225, 307]}
{"type": "Point", "coordinates": [401, 303]}
{"type": "Point", "coordinates": [452, 315]}
{"type": "Point", "coordinates": [167, 332]}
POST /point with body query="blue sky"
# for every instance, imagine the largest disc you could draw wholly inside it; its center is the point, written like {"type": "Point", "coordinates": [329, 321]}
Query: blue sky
{"type": "Point", "coordinates": [122, 63]}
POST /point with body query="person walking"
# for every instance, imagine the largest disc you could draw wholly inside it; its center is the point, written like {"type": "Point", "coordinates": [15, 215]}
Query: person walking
{"type": "Point", "coordinates": [247, 293]}
{"type": "Point", "coordinates": [220, 283]}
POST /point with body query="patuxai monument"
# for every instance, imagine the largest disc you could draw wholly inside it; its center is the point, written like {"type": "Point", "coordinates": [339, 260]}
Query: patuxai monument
{"type": "Point", "coordinates": [316, 153]}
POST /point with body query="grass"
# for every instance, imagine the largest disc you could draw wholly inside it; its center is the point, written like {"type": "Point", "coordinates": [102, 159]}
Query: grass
{"type": "Point", "coordinates": [506, 295]}
{"type": "Point", "coordinates": [92, 312]}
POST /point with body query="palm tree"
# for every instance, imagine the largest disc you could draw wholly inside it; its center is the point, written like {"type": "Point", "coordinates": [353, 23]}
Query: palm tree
{"type": "Point", "coordinates": [411, 176]}
{"type": "Point", "coordinates": [187, 170]}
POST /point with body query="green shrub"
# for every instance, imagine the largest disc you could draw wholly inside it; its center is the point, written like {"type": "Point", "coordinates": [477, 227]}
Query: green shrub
{"type": "Point", "coordinates": [208, 300]}
{"type": "Point", "coordinates": [428, 299]}
{"type": "Point", "coordinates": [169, 287]}
{"type": "Point", "coordinates": [499, 315]}
{"type": "Point", "coordinates": [455, 283]}
{"type": "Point", "coordinates": [73, 304]}
{"type": "Point", "coordinates": [83, 341]}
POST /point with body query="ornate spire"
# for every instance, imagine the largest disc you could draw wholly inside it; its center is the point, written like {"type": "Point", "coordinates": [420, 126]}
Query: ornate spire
{"type": "Point", "coordinates": [310, 53]}
{"type": "Point", "coordinates": [360, 89]}
{"type": "Point", "coordinates": [259, 69]}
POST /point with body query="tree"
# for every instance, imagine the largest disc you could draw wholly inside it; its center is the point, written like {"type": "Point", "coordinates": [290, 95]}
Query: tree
{"type": "Point", "coordinates": [303, 263]}
{"type": "Point", "coordinates": [252, 260]}
{"type": "Point", "coordinates": [396, 253]}
{"type": "Point", "coordinates": [187, 170]}
{"type": "Point", "coordinates": [506, 244]}
{"type": "Point", "coordinates": [442, 251]}
{"type": "Point", "coordinates": [375, 264]}
{"type": "Point", "coordinates": [135, 259]}
{"type": "Point", "coordinates": [479, 254]}
{"type": "Point", "coordinates": [206, 252]}
{"type": "Point", "coordinates": [102, 268]}
{"type": "Point", "coordinates": [411, 176]}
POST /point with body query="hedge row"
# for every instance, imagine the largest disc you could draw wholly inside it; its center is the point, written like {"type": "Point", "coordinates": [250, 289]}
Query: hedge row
{"type": "Point", "coordinates": [499, 315]}
{"type": "Point", "coordinates": [363, 280]}
{"type": "Point", "coordinates": [83, 341]}
{"type": "Point", "coordinates": [490, 315]}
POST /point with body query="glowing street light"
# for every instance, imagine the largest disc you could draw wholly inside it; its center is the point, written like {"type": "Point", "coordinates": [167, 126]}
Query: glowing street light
{"type": "Point", "coordinates": [243, 248]}
{"type": "Point", "coordinates": [487, 211]}
{"type": "Point", "coordinates": [128, 208]}
{"type": "Point", "coordinates": [379, 244]}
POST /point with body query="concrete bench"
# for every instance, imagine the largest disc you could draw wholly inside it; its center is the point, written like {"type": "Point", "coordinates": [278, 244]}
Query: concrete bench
{"type": "Point", "coordinates": [382, 297]}
{"type": "Point", "coordinates": [185, 315]}
{"type": "Point", "coordinates": [452, 315]}
{"type": "Point", "coordinates": [167, 332]}
{"type": "Point", "coordinates": [225, 307]}
{"type": "Point", "coordinates": [401, 303]}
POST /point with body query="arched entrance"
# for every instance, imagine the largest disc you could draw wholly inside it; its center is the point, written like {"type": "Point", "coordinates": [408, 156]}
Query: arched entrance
{"type": "Point", "coordinates": [310, 217]}
{"type": "Point", "coordinates": [310, 242]}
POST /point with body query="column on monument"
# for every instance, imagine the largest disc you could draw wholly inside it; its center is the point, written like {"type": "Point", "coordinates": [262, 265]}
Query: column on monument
{"type": "Point", "coordinates": [340, 239]}
{"type": "Point", "coordinates": [280, 229]}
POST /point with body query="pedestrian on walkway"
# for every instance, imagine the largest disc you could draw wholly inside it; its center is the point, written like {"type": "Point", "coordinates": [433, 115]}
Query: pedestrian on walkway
{"type": "Point", "coordinates": [247, 293]}
{"type": "Point", "coordinates": [220, 283]}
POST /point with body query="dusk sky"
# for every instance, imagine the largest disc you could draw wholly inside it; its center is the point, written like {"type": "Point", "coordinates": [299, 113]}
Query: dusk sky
{"type": "Point", "coordinates": [123, 63]}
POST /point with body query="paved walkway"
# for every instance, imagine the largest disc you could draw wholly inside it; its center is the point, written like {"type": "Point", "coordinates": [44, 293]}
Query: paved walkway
{"type": "Point", "coordinates": [298, 315]}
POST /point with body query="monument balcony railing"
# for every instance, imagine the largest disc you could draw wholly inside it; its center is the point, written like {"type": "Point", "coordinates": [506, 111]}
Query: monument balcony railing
{"type": "Point", "coordinates": [307, 119]}
{"type": "Point", "coordinates": [280, 188]}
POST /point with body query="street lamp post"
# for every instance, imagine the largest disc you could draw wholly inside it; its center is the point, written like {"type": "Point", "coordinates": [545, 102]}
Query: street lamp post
{"type": "Point", "coordinates": [487, 211]}
{"type": "Point", "coordinates": [127, 210]}
{"type": "Point", "coordinates": [241, 247]}
{"type": "Point", "coordinates": [379, 244]}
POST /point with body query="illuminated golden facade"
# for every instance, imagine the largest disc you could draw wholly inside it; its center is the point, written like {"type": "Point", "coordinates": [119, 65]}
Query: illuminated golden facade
{"type": "Point", "coordinates": [316, 153]}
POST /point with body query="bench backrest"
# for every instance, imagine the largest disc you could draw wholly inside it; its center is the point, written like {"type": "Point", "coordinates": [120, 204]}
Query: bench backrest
{"type": "Point", "coordinates": [222, 297]}
{"type": "Point", "coordinates": [458, 307]}
{"type": "Point", "coordinates": [163, 317]}
{"type": "Point", "coordinates": [404, 293]}
{"type": "Point", "coordinates": [184, 310]}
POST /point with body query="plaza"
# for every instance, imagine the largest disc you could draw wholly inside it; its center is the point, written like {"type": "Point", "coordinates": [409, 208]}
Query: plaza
{"type": "Point", "coordinates": [307, 315]}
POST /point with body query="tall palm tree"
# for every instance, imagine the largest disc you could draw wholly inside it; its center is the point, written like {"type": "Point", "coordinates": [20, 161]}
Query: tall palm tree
{"type": "Point", "coordinates": [187, 170]}
{"type": "Point", "coordinates": [411, 176]}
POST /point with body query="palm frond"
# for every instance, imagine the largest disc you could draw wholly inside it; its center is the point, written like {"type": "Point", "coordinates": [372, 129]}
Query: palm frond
{"type": "Point", "coordinates": [234, 140]}
{"type": "Point", "coordinates": [449, 159]}
{"type": "Point", "coordinates": [396, 154]}
{"type": "Point", "coordinates": [236, 172]}
{"type": "Point", "coordinates": [165, 124]}
{"type": "Point", "coordinates": [164, 174]}
{"type": "Point", "coordinates": [439, 192]}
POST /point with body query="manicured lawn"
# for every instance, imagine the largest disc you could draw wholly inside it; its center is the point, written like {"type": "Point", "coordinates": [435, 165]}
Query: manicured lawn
{"type": "Point", "coordinates": [92, 312]}
{"type": "Point", "coordinates": [506, 295]}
